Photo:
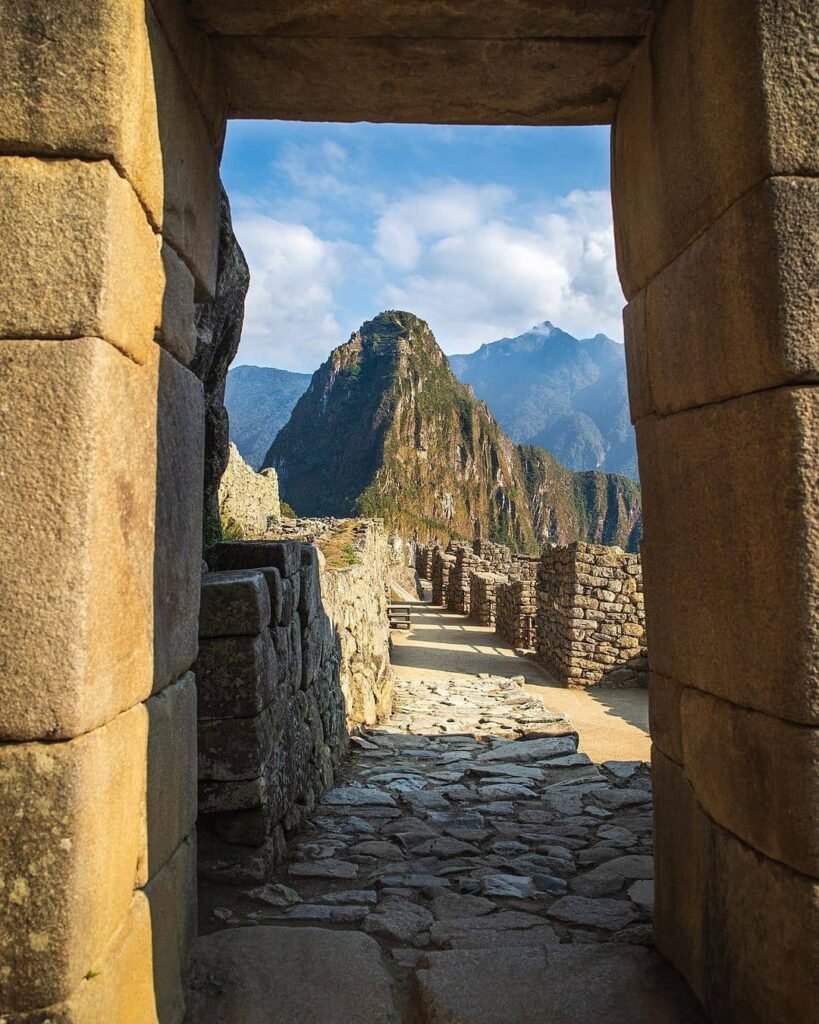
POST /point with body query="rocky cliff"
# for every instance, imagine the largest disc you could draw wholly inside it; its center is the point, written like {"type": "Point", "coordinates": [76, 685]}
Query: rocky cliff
{"type": "Point", "coordinates": [561, 393]}
{"type": "Point", "coordinates": [385, 429]}
{"type": "Point", "coordinates": [259, 400]}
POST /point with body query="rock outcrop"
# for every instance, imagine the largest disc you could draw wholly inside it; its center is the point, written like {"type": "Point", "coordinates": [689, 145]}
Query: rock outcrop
{"type": "Point", "coordinates": [248, 500]}
{"type": "Point", "coordinates": [218, 333]}
{"type": "Point", "coordinates": [385, 430]}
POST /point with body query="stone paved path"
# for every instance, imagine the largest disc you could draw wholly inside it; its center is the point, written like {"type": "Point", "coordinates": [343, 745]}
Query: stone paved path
{"type": "Point", "coordinates": [466, 834]}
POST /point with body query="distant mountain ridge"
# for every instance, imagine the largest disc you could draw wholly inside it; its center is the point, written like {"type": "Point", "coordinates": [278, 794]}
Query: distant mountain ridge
{"type": "Point", "coordinates": [386, 429]}
{"type": "Point", "coordinates": [259, 400]}
{"type": "Point", "coordinates": [564, 394]}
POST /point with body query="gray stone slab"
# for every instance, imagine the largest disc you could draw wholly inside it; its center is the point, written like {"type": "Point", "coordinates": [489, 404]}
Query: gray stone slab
{"type": "Point", "coordinates": [268, 975]}
{"type": "Point", "coordinates": [530, 751]}
{"type": "Point", "coordinates": [233, 604]}
{"type": "Point", "coordinates": [554, 985]}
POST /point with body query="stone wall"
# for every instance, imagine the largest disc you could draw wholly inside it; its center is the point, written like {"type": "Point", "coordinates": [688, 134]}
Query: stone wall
{"type": "Point", "coordinates": [423, 561]}
{"type": "Point", "coordinates": [482, 596]}
{"type": "Point", "coordinates": [442, 565]}
{"type": "Point", "coordinates": [272, 722]}
{"type": "Point", "coordinates": [590, 624]}
{"type": "Point", "coordinates": [497, 557]}
{"type": "Point", "coordinates": [355, 598]}
{"type": "Point", "coordinates": [248, 500]}
{"type": "Point", "coordinates": [466, 561]}
{"type": "Point", "coordinates": [516, 605]}
{"type": "Point", "coordinates": [292, 657]}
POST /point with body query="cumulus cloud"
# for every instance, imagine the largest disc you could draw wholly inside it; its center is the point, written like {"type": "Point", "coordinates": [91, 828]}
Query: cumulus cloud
{"type": "Point", "coordinates": [469, 259]}
{"type": "Point", "coordinates": [402, 228]}
{"type": "Point", "coordinates": [496, 276]}
{"type": "Point", "coordinates": [290, 315]}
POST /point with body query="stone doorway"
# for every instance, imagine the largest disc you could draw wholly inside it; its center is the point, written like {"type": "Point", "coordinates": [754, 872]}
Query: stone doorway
{"type": "Point", "coordinates": [113, 118]}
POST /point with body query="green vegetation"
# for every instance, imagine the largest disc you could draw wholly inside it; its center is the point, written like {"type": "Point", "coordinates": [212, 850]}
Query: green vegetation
{"type": "Point", "coordinates": [386, 430]}
{"type": "Point", "coordinates": [287, 511]}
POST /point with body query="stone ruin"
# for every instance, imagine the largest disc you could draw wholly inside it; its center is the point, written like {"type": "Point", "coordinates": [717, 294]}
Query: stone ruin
{"type": "Point", "coordinates": [115, 234]}
{"type": "Point", "coordinates": [290, 661]}
{"type": "Point", "coordinates": [590, 622]}
{"type": "Point", "coordinates": [516, 604]}
{"type": "Point", "coordinates": [248, 501]}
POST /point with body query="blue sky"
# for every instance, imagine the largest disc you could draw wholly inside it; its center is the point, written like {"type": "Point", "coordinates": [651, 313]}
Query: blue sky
{"type": "Point", "coordinates": [481, 231]}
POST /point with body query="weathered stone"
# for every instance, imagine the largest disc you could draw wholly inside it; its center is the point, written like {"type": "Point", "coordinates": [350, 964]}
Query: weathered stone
{"type": "Point", "coordinates": [749, 774]}
{"type": "Point", "coordinates": [218, 333]}
{"type": "Point", "coordinates": [248, 499]}
{"type": "Point", "coordinates": [236, 675]}
{"type": "Point", "coordinates": [178, 335]}
{"type": "Point", "coordinates": [755, 264]}
{"type": "Point", "coordinates": [310, 591]}
{"type": "Point", "coordinates": [759, 659]}
{"type": "Point", "coordinates": [327, 868]}
{"type": "Point", "coordinates": [172, 895]}
{"type": "Point", "coordinates": [236, 748]}
{"type": "Point", "coordinates": [284, 555]}
{"type": "Point", "coordinates": [611, 876]}
{"type": "Point", "coordinates": [87, 652]}
{"type": "Point", "coordinates": [234, 604]}
{"type": "Point", "coordinates": [358, 796]}
{"type": "Point", "coordinates": [64, 884]}
{"type": "Point", "coordinates": [451, 906]}
{"type": "Point", "coordinates": [171, 770]}
{"type": "Point", "coordinates": [532, 750]}
{"type": "Point", "coordinates": [665, 715]}
{"type": "Point", "coordinates": [673, 173]}
{"type": "Point", "coordinates": [105, 277]}
{"type": "Point", "coordinates": [178, 519]}
{"type": "Point", "coordinates": [399, 920]}
{"type": "Point", "coordinates": [597, 913]}
{"type": "Point", "coordinates": [576, 984]}
{"type": "Point", "coordinates": [248, 973]}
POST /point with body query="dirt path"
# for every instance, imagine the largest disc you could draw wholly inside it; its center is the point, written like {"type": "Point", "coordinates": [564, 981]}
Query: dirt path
{"type": "Point", "coordinates": [612, 724]}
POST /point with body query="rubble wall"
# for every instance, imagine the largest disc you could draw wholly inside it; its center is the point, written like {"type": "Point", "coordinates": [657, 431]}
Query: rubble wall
{"type": "Point", "coordinates": [590, 626]}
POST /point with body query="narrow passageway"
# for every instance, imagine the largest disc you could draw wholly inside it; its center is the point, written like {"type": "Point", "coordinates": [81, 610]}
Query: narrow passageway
{"type": "Point", "coordinates": [482, 868]}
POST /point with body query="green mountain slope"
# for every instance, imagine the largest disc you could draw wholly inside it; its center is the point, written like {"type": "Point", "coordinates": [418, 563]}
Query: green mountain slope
{"type": "Point", "coordinates": [259, 400]}
{"type": "Point", "coordinates": [385, 429]}
{"type": "Point", "coordinates": [566, 395]}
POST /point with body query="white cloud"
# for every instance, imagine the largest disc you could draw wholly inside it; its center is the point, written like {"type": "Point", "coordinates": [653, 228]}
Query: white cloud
{"type": "Point", "coordinates": [454, 207]}
{"type": "Point", "coordinates": [493, 277]}
{"type": "Point", "coordinates": [466, 258]}
{"type": "Point", "coordinates": [290, 319]}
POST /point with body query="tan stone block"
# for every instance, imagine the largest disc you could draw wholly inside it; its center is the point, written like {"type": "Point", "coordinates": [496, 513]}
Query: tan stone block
{"type": "Point", "coordinates": [172, 898]}
{"type": "Point", "coordinates": [664, 712]}
{"type": "Point", "coordinates": [452, 81]}
{"type": "Point", "coordinates": [479, 18]}
{"type": "Point", "coordinates": [78, 421]}
{"type": "Point", "coordinates": [71, 850]}
{"type": "Point", "coordinates": [758, 266]}
{"type": "Point", "coordinates": [190, 164]}
{"type": "Point", "coordinates": [722, 95]}
{"type": "Point", "coordinates": [764, 920]}
{"type": "Point", "coordinates": [757, 776]}
{"type": "Point", "coordinates": [683, 867]}
{"type": "Point", "coordinates": [78, 81]}
{"type": "Point", "coordinates": [119, 986]}
{"type": "Point", "coordinates": [80, 256]}
{"type": "Point", "coordinates": [171, 771]}
{"type": "Point", "coordinates": [731, 549]}
{"type": "Point", "coordinates": [180, 448]}
{"type": "Point", "coordinates": [178, 334]}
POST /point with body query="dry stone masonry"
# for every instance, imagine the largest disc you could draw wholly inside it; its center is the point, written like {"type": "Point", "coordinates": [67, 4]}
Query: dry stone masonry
{"type": "Point", "coordinates": [271, 713]}
{"type": "Point", "coordinates": [248, 500]}
{"type": "Point", "coordinates": [442, 565]}
{"type": "Point", "coordinates": [290, 660]}
{"type": "Point", "coordinates": [355, 598]}
{"type": "Point", "coordinates": [483, 588]}
{"type": "Point", "coordinates": [590, 625]}
{"type": "Point", "coordinates": [516, 606]}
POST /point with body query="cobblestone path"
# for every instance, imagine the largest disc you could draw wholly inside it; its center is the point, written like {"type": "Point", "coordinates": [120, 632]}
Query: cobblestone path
{"type": "Point", "coordinates": [471, 867]}
{"type": "Point", "coordinates": [470, 819]}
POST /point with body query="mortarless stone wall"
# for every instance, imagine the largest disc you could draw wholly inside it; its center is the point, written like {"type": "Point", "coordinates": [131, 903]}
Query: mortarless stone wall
{"type": "Point", "coordinates": [590, 625]}
{"type": "Point", "coordinates": [283, 676]}
{"type": "Point", "coordinates": [248, 499]}
{"type": "Point", "coordinates": [355, 598]}
{"type": "Point", "coordinates": [516, 604]}
{"type": "Point", "coordinates": [442, 565]}
{"type": "Point", "coordinates": [466, 561]}
{"type": "Point", "coordinates": [423, 561]}
{"type": "Point", "coordinates": [482, 596]}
